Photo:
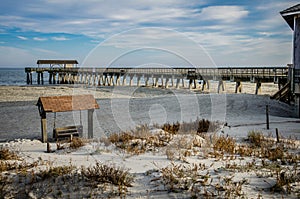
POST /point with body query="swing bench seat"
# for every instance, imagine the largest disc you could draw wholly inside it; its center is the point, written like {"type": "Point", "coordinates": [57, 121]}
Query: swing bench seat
{"type": "Point", "coordinates": [67, 132]}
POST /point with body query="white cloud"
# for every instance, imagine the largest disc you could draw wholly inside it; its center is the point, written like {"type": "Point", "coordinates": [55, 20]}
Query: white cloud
{"type": "Point", "coordinates": [59, 38]}
{"type": "Point", "coordinates": [22, 38]}
{"type": "Point", "coordinates": [226, 14]}
{"type": "Point", "coordinates": [225, 31]}
{"type": "Point", "coordinates": [40, 39]}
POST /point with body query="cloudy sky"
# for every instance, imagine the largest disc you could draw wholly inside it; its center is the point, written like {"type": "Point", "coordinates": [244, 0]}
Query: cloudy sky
{"type": "Point", "coordinates": [140, 32]}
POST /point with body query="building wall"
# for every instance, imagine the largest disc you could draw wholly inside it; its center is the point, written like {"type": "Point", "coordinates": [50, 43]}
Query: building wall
{"type": "Point", "coordinates": [297, 56]}
{"type": "Point", "coordinates": [297, 43]}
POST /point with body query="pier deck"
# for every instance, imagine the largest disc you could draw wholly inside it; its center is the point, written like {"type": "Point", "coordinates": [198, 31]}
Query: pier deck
{"type": "Point", "coordinates": [117, 76]}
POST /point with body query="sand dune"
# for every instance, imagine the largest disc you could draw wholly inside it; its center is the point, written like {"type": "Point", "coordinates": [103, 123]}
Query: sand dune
{"type": "Point", "coordinates": [124, 108]}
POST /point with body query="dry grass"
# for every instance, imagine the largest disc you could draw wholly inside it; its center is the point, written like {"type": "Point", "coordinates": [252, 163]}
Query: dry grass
{"type": "Point", "coordinates": [71, 144]}
{"type": "Point", "coordinates": [102, 173]}
{"type": "Point", "coordinates": [142, 139]}
{"type": "Point", "coordinates": [199, 126]}
{"type": "Point", "coordinates": [6, 154]}
{"type": "Point", "coordinates": [196, 180]}
{"type": "Point", "coordinates": [224, 144]}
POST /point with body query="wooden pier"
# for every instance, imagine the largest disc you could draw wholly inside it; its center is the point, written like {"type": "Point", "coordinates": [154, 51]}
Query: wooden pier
{"type": "Point", "coordinates": [160, 77]}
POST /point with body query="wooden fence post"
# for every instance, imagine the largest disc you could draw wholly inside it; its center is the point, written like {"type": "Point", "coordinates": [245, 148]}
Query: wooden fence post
{"type": "Point", "coordinates": [267, 116]}
{"type": "Point", "coordinates": [90, 123]}
{"type": "Point", "coordinates": [44, 128]}
{"type": "Point", "coordinates": [277, 135]}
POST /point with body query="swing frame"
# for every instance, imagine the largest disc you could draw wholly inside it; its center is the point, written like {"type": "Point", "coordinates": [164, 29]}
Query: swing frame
{"type": "Point", "coordinates": [55, 104]}
{"type": "Point", "coordinates": [67, 131]}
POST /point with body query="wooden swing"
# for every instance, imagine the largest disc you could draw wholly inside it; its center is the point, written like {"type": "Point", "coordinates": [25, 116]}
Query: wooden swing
{"type": "Point", "coordinates": [67, 131]}
{"type": "Point", "coordinates": [64, 104]}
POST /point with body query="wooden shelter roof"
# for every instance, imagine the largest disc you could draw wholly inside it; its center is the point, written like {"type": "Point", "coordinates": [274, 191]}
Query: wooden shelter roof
{"type": "Point", "coordinates": [57, 62]}
{"type": "Point", "coordinates": [67, 103]}
{"type": "Point", "coordinates": [289, 13]}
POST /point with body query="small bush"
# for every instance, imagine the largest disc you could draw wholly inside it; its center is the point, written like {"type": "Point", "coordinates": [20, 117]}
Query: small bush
{"type": "Point", "coordinates": [101, 173]}
{"type": "Point", "coordinates": [76, 143]}
{"type": "Point", "coordinates": [54, 172]}
{"type": "Point", "coordinates": [6, 154]}
{"type": "Point", "coordinates": [171, 128]}
{"type": "Point", "coordinates": [224, 144]}
{"type": "Point", "coordinates": [256, 138]}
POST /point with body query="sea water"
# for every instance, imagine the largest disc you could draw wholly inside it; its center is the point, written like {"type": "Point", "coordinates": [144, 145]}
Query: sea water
{"type": "Point", "coordinates": [17, 77]}
{"type": "Point", "coordinates": [12, 76]}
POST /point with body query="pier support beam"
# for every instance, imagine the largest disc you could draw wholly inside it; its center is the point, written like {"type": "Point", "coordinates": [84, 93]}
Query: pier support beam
{"type": "Point", "coordinates": [177, 83]}
{"type": "Point", "coordinates": [118, 80]}
{"type": "Point", "coordinates": [172, 81]}
{"type": "Point", "coordinates": [124, 80]}
{"type": "Point", "coordinates": [258, 88]}
{"type": "Point", "coordinates": [39, 78]}
{"type": "Point", "coordinates": [146, 80]}
{"type": "Point", "coordinates": [29, 78]}
{"type": "Point", "coordinates": [190, 83]}
{"type": "Point", "coordinates": [50, 78]}
{"type": "Point", "coordinates": [138, 80]}
{"type": "Point", "coordinates": [131, 80]}
{"type": "Point", "coordinates": [238, 87]}
{"type": "Point", "coordinates": [183, 83]}
{"type": "Point", "coordinates": [205, 83]}
{"type": "Point", "coordinates": [155, 82]}
{"type": "Point", "coordinates": [221, 85]}
{"type": "Point", "coordinates": [167, 82]}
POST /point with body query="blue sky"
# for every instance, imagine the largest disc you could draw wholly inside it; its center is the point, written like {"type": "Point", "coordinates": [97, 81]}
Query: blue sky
{"type": "Point", "coordinates": [131, 32]}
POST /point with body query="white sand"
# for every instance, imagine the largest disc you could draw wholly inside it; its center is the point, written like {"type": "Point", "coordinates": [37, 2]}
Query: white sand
{"type": "Point", "coordinates": [242, 112]}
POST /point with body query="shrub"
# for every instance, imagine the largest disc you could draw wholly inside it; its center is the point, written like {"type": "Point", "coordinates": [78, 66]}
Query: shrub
{"type": "Point", "coordinates": [224, 144]}
{"type": "Point", "coordinates": [76, 143]}
{"type": "Point", "coordinates": [256, 138]}
{"type": "Point", "coordinates": [6, 154]}
{"type": "Point", "coordinates": [54, 172]}
{"type": "Point", "coordinates": [102, 173]}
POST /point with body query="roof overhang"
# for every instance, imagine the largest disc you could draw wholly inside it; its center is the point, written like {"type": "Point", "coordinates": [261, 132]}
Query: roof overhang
{"type": "Point", "coordinates": [66, 103]}
{"type": "Point", "coordinates": [290, 13]}
{"type": "Point", "coordinates": [57, 62]}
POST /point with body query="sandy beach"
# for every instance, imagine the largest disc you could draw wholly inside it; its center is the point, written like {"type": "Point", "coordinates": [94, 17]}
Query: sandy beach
{"type": "Point", "coordinates": [123, 109]}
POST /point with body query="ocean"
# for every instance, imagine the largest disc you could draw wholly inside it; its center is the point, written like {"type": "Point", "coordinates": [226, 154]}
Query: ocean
{"type": "Point", "coordinates": [12, 76]}
{"type": "Point", "coordinates": [16, 77]}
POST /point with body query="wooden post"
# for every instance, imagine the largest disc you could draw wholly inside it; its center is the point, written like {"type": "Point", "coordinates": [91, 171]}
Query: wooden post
{"type": "Point", "coordinates": [177, 82]}
{"type": "Point", "coordinates": [42, 78]}
{"type": "Point", "coordinates": [38, 78]}
{"type": "Point", "coordinates": [277, 135]}
{"type": "Point", "coordinates": [267, 116]}
{"type": "Point", "coordinates": [48, 148]}
{"type": "Point", "coordinates": [90, 123]}
{"type": "Point", "coordinates": [44, 127]}
{"type": "Point", "coordinates": [258, 88]}
{"type": "Point", "coordinates": [220, 85]}
{"type": "Point", "coordinates": [238, 87]}
{"type": "Point", "coordinates": [28, 78]}
{"type": "Point", "coordinates": [50, 78]}
{"type": "Point", "coordinates": [54, 78]}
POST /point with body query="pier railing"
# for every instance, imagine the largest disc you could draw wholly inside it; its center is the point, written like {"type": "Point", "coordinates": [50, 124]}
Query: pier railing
{"type": "Point", "coordinates": [154, 75]}
{"type": "Point", "coordinates": [224, 72]}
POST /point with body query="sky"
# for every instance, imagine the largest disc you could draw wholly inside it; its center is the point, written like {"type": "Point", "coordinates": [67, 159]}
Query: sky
{"type": "Point", "coordinates": [145, 33]}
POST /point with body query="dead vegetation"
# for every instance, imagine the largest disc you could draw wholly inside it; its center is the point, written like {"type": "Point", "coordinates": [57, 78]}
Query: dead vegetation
{"type": "Point", "coordinates": [102, 173]}
{"type": "Point", "coordinates": [6, 154]}
{"type": "Point", "coordinates": [66, 182]}
{"type": "Point", "coordinates": [144, 139]}
{"type": "Point", "coordinates": [276, 163]}
{"type": "Point", "coordinates": [196, 180]}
